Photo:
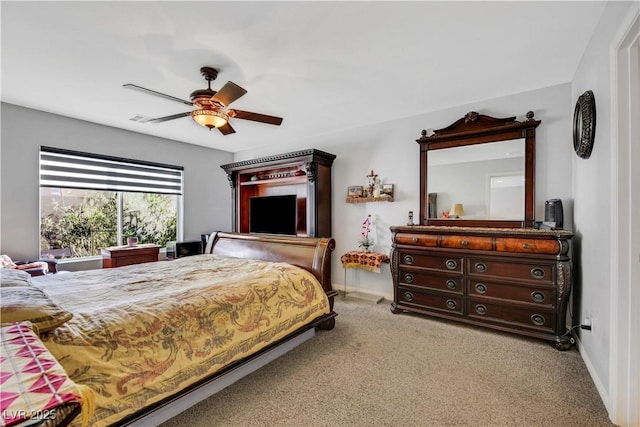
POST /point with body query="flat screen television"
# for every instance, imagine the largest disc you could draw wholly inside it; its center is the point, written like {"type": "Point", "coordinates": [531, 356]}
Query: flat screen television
{"type": "Point", "coordinates": [273, 214]}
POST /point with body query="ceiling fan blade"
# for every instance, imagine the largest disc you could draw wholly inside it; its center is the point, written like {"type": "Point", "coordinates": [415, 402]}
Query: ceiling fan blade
{"type": "Point", "coordinates": [256, 117]}
{"type": "Point", "coordinates": [228, 93]}
{"type": "Point", "coordinates": [226, 129]}
{"type": "Point", "coordinates": [153, 92]}
{"type": "Point", "coordinates": [167, 118]}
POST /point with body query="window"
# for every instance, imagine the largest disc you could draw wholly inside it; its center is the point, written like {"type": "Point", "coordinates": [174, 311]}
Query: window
{"type": "Point", "coordinates": [89, 201]}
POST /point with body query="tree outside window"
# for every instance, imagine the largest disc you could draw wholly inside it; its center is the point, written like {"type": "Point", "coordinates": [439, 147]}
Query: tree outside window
{"type": "Point", "coordinates": [78, 223]}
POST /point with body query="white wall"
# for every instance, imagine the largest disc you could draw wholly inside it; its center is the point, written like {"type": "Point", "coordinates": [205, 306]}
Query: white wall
{"type": "Point", "coordinates": [593, 191]}
{"type": "Point", "coordinates": [207, 196]}
{"type": "Point", "coordinates": [390, 149]}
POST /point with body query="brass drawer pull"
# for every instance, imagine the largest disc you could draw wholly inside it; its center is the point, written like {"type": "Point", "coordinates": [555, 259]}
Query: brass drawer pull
{"type": "Point", "coordinates": [408, 259]}
{"type": "Point", "coordinates": [526, 246]}
{"type": "Point", "coordinates": [451, 264]}
{"type": "Point", "coordinates": [481, 288]}
{"type": "Point", "coordinates": [408, 296]}
{"type": "Point", "coordinates": [464, 243]}
{"type": "Point", "coordinates": [537, 296]}
{"type": "Point", "coordinates": [537, 272]}
{"type": "Point", "coordinates": [481, 267]}
{"type": "Point", "coordinates": [481, 309]}
{"type": "Point", "coordinates": [451, 284]}
{"type": "Point", "coordinates": [538, 319]}
{"type": "Point", "coordinates": [408, 277]}
{"type": "Point", "coordinates": [451, 304]}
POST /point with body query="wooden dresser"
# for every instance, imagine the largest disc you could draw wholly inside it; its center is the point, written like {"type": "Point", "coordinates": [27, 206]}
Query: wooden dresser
{"type": "Point", "coordinates": [514, 280]}
{"type": "Point", "coordinates": [118, 256]}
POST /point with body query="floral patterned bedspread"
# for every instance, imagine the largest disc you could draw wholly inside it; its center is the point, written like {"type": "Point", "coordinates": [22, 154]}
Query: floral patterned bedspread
{"type": "Point", "coordinates": [142, 332]}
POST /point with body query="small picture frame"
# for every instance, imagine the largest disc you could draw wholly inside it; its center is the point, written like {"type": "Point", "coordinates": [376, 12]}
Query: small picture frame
{"type": "Point", "coordinates": [354, 191]}
{"type": "Point", "coordinates": [387, 189]}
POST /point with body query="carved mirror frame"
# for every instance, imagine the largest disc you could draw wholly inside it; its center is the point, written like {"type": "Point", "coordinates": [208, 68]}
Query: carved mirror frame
{"type": "Point", "coordinates": [475, 128]}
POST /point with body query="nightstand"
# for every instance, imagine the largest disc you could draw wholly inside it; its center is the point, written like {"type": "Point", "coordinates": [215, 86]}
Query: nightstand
{"type": "Point", "coordinates": [118, 256]}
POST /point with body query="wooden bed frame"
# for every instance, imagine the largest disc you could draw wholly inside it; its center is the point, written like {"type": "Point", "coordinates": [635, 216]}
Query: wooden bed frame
{"type": "Point", "coordinates": [311, 254]}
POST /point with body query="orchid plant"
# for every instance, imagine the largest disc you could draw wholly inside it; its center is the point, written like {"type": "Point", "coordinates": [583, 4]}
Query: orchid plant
{"type": "Point", "coordinates": [365, 240]}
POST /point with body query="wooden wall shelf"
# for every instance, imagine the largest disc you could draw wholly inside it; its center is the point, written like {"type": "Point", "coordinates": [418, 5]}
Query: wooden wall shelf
{"type": "Point", "coordinates": [368, 199]}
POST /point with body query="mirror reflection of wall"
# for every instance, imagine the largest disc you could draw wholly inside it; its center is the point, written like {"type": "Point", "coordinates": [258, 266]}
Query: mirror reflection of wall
{"type": "Point", "coordinates": [506, 196]}
{"type": "Point", "coordinates": [459, 175]}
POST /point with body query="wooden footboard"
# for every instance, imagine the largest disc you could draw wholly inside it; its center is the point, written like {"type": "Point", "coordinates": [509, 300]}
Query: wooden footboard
{"type": "Point", "coordinates": [311, 253]}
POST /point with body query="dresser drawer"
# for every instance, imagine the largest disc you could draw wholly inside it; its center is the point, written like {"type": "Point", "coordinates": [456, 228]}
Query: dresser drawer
{"type": "Point", "coordinates": [130, 260]}
{"type": "Point", "coordinates": [431, 301]}
{"type": "Point", "coordinates": [531, 318]}
{"type": "Point", "coordinates": [417, 239]}
{"type": "Point", "coordinates": [467, 242]}
{"type": "Point", "coordinates": [430, 281]}
{"type": "Point", "coordinates": [487, 267]}
{"type": "Point", "coordinates": [533, 246]}
{"type": "Point", "coordinates": [433, 261]}
{"type": "Point", "coordinates": [541, 296]}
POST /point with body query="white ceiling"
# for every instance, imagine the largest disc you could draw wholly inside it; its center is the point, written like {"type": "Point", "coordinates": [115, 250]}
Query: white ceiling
{"type": "Point", "coordinates": [322, 66]}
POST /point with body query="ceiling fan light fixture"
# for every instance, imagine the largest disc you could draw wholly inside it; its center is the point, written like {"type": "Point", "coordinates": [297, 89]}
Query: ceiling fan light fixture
{"type": "Point", "coordinates": [210, 105]}
{"type": "Point", "coordinates": [210, 118]}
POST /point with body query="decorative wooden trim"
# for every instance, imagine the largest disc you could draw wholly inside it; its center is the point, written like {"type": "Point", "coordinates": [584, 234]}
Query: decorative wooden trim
{"type": "Point", "coordinates": [504, 232]}
{"type": "Point", "coordinates": [232, 182]}
{"type": "Point", "coordinates": [313, 154]}
{"type": "Point", "coordinates": [474, 124]}
{"type": "Point", "coordinates": [311, 169]}
{"type": "Point", "coordinates": [473, 121]}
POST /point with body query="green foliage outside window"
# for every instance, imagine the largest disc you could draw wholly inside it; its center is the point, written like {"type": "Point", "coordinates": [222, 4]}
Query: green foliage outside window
{"type": "Point", "coordinates": [89, 223]}
{"type": "Point", "coordinates": [150, 217]}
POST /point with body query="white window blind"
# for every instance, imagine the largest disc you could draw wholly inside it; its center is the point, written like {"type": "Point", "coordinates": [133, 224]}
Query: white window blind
{"type": "Point", "coordinates": [71, 169]}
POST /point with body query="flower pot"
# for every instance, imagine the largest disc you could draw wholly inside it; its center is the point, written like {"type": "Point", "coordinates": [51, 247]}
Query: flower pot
{"type": "Point", "coordinates": [132, 241]}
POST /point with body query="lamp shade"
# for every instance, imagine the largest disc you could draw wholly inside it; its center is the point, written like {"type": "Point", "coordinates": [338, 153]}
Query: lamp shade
{"type": "Point", "coordinates": [456, 210]}
{"type": "Point", "coordinates": [210, 118]}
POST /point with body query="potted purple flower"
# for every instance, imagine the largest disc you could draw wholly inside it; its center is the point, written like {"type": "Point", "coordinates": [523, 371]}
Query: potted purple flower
{"type": "Point", "coordinates": [366, 242]}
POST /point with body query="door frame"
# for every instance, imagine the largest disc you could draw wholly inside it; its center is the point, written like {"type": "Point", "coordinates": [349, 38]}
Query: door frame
{"type": "Point", "coordinates": [624, 366]}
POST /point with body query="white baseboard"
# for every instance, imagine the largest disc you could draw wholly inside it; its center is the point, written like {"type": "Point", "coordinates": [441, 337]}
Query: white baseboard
{"type": "Point", "coordinates": [602, 391]}
{"type": "Point", "coordinates": [374, 299]}
{"type": "Point", "coordinates": [354, 289]}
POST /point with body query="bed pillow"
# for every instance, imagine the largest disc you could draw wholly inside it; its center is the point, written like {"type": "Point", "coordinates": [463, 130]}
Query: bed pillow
{"type": "Point", "coordinates": [6, 262]}
{"type": "Point", "coordinates": [10, 278]}
{"type": "Point", "coordinates": [29, 303]}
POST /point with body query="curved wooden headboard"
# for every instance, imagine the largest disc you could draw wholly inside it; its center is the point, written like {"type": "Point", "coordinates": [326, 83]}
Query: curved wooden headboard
{"type": "Point", "coordinates": [311, 253]}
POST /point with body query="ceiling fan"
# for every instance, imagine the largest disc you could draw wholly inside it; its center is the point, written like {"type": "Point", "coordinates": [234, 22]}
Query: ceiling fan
{"type": "Point", "coordinates": [212, 111]}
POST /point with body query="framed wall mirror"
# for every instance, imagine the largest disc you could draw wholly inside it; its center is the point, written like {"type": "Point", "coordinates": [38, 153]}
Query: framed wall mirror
{"type": "Point", "coordinates": [479, 172]}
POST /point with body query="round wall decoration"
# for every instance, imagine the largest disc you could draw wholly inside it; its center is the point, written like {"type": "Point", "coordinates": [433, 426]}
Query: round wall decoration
{"type": "Point", "coordinates": [584, 124]}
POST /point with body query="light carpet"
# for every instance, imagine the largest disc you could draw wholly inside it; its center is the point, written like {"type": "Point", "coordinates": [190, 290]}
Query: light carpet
{"type": "Point", "coordinates": [380, 369]}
